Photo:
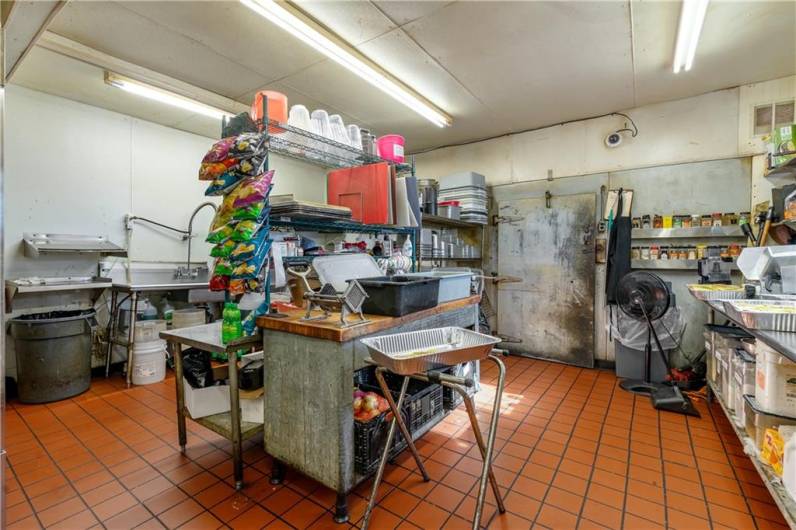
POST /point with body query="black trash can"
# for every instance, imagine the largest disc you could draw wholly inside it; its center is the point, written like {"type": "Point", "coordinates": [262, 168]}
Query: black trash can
{"type": "Point", "coordinates": [53, 352]}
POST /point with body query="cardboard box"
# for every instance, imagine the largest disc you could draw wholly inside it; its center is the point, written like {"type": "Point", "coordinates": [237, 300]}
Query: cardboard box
{"type": "Point", "coordinates": [202, 402]}
{"type": "Point", "coordinates": [252, 410]}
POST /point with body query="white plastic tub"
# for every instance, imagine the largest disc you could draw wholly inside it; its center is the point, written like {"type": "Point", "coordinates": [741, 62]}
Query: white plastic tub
{"type": "Point", "coordinates": [187, 318]}
{"type": "Point", "coordinates": [452, 285]}
{"type": "Point", "coordinates": [775, 381]}
{"type": "Point", "coordinates": [149, 362]}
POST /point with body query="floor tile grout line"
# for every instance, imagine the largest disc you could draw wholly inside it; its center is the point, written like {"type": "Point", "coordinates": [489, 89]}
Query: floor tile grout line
{"type": "Point", "coordinates": [738, 481]}
{"type": "Point", "coordinates": [699, 470]}
{"type": "Point", "coordinates": [663, 475]}
{"type": "Point", "coordinates": [70, 482]}
{"type": "Point", "coordinates": [28, 499]}
{"type": "Point", "coordinates": [510, 488]}
{"type": "Point", "coordinates": [629, 455]}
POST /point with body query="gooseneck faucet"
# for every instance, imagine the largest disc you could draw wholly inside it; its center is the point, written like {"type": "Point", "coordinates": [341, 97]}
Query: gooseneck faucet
{"type": "Point", "coordinates": [189, 235]}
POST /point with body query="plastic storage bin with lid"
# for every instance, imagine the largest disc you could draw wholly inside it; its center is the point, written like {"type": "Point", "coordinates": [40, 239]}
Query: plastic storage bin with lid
{"type": "Point", "coordinates": [391, 147]}
{"type": "Point", "coordinates": [743, 381]}
{"type": "Point", "coordinates": [775, 381]}
{"type": "Point", "coordinates": [757, 421]}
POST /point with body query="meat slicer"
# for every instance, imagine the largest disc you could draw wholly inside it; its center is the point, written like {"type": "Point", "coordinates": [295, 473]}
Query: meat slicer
{"type": "Point", "coordinates": [769, 272]}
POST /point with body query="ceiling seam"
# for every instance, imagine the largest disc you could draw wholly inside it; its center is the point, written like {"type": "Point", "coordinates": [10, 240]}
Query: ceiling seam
{"type": "Point", "coordinates": [400, 27]}
{"type": "Point", "coordinates": [192, 39]}
{"type": "Point", "coordinates": [632, 50]}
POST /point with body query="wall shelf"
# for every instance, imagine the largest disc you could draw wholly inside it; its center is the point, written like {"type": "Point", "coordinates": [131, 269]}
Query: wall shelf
{"type": "Point", "coordinates": [668, 264]}
{"type": "Point", "coordinates": [686, 233]}
{"type": "Point", "coordinates": [437, 220]}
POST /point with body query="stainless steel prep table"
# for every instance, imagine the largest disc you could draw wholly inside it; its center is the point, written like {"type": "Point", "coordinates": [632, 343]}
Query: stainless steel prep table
{"type": "Point", "coordinates": [309, 378]}
{"type": "Point", "coordinates": [227, 424]}
{"type": "Point", "coordinates": [133, 284]}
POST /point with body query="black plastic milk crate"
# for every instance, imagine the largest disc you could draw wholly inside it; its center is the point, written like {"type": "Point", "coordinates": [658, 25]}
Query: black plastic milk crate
{"type": "Point", "coordinates": [450, 398]}
{"type": "Point", "coordinates": [423, 401]}
{"type": "Point", "coordinates": [369, 440]}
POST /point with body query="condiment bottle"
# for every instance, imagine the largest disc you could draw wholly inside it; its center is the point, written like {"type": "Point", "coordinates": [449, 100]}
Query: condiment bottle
{"type": "Point", "coordinates": [717, 219]}
{"type": "Point", "coordinates": [707, 220]}
{"type": "Point", "coordinates": [657, 221]}
{"type": "Point", "coordinates": [667, 221]}
{"type": "Point", "coordinates": [645, 252]}
{"type": "Point", "coordinates": [664, 253]}
{"type": "Point", "coordinates": [692, 253]}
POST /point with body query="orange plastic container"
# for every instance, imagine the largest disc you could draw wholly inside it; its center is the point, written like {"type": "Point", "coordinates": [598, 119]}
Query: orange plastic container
{"type": "Point", "coordinates": [277, 107]}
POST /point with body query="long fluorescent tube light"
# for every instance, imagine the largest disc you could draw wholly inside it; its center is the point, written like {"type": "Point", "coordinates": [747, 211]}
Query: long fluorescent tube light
{"type": "Point", "coordinates": [163, 96]}
{"type": "Point", "coordinates": [300, 29]}
{"type": "Point", "coordinates": [692, 17]}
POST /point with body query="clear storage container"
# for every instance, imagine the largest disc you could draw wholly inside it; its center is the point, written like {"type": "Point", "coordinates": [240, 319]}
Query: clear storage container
{"type": "Point", "coordinates": [757, 420]}
{"type": "Point", "coordinates": [743, 370]}
{"type": "Point", "coordinates": [775, 381]}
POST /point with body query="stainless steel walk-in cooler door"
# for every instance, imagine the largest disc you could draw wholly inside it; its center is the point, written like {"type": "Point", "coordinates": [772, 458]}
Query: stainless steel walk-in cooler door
{"type": "Point", "coordinates": [549, 244]}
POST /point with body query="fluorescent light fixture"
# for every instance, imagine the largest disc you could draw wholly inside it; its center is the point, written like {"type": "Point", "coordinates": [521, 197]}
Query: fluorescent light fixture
{"type": "Point", "coordinates": [692, 17]}
{"type": "Point", "coordinates": [348, 58]}
{"type": "Point", "coordinates": [163, 96]}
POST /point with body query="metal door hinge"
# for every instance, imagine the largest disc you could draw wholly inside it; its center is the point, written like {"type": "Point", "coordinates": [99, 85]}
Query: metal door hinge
{"type": "Point", "coordinates": [498, 219]}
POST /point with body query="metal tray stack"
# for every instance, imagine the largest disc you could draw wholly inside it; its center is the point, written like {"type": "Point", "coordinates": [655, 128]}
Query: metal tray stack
{"type": "Point", "coordinates": [698, 292]}
{"type": "Point", "coordinates": [763, 314]}
{"type": "Point", "coordinates": [420, 351]}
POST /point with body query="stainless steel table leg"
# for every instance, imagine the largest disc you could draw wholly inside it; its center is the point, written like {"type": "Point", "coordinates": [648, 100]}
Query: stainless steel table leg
{"type": "Point", "coordinates": [176, 348]}
{"type": "Point", "coordinates": [490, 443]}
{"type": "Point", "coordinates": [479, 438]}
{"type": "Point", "coordinates": [234, 412]}
{"type": "Point", "coordinates": [111, 332]}
{"type": "Point", "coordinates": [396, 420]}
{"type": "Point", "coordinates": [131, 336]}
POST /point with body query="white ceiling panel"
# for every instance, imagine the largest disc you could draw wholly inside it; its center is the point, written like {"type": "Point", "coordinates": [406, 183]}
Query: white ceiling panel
{"type": "Point", "coordinates": [741, 42]}
{"type": "Point", "coordinates": [115, 30]}
{"type": "Point", "coordinates": [535, 63]}
{"type": "Point", "coordinates": [354, 22]}
{"type": "Point", "coordinates": [402, 12]}
{"type": "Point", "coordinates": [55, 74]}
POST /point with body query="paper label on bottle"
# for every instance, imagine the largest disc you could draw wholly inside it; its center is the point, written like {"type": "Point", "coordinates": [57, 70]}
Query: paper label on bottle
{"type": "Point", "coordinates": [398, 150]}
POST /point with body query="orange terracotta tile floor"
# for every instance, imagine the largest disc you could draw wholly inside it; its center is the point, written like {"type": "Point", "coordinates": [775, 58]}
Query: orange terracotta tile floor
{"type": "Point", "coordinates": [574, 451]}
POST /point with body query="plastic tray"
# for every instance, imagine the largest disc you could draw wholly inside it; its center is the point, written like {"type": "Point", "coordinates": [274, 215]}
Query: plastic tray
{"type": "Point", "coordinates": [339, 268]}
{"type": "Point", "coordinates": [421, 351]}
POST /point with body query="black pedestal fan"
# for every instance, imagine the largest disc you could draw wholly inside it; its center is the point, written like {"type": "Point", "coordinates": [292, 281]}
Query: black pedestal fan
{"type": "Point", "coordinates": [645, 297]}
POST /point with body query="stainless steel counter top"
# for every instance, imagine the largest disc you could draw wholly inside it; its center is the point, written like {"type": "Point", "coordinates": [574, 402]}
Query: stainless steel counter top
{"type": "Point", "coordinates": [207, 337]}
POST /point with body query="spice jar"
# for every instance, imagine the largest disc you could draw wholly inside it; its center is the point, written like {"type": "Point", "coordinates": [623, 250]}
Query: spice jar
{"type": "Point", "coordinates": [636, 223]}
{"type": "Point", "coordinates": [657, 221]}
{"type": "Point", "coordinates": [667, 221]}
{"type": "Point", "coordinates": [701, 251]}
{"type": "Point", "coordinates": [677, 221]}
{"type": "Point", "coordinates": [734, 250]}
{"type": "Point", "coordinates": [664, 253]}
{"type": "Point", "coordinates": [707, 220]}
{"type": "Point", "coordinates": [635, 253]}
{"type": "Point", "coordinates": [716, 217]}
{"type": "Point", "coordinates": [645, 221]}
{"type": "Point", "coordinates": [729, 219]}
{"type": "Point", "coordinates": [645, 252]}
{"type": "Point", "coordinates": [744, 217]}
{"type": "Point", "coordinates": [686, 221]}
{"type": "Point", "coordinates": [683, 254]}
{"type": "Point", "coordinates": [724, 252]}
{"type": "Point", "coordinates": [654, 252]}
{"type": "Point", "coordinates": [696, 220]}
{"type": "Point", "coordinates": [692, 253]}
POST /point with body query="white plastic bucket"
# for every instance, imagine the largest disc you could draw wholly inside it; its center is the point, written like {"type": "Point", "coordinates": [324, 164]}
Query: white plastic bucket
{"type": "Point", "coordinates": [149, 362]}
{"type": "Point", "coordinates": [149, 330]}
{"type": "Point", "coordinates": [775, 381]}
{"type": "Point", "coordinates": [186, 318]}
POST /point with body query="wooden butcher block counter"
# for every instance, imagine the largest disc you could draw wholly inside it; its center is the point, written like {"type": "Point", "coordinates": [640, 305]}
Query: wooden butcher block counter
{"type": "Point", "coordinates": [309, 382]}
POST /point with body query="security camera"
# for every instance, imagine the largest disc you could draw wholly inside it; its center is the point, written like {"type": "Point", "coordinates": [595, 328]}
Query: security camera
{"type": "Point", "coordinates": [613, 140]}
